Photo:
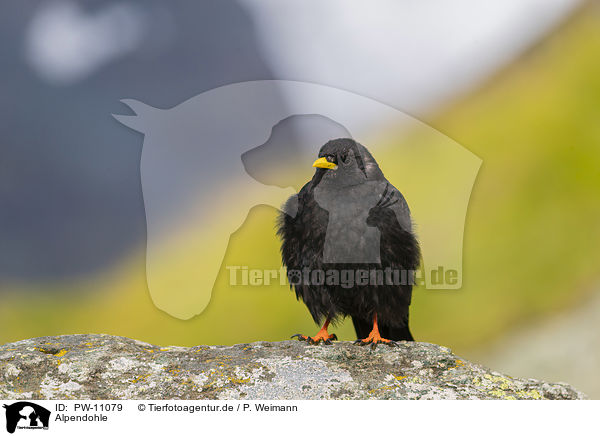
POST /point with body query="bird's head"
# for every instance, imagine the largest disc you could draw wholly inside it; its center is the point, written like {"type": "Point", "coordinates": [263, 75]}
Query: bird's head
{"type": "Point", "coordinates": [345, 162]}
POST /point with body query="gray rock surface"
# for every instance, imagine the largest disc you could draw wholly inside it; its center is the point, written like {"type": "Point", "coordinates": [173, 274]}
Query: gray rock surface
{"type": "Point", "coordinates": [110, 367]}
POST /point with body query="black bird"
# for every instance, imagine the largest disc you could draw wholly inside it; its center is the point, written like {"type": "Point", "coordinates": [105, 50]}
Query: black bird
{"type": "Point", "coordinates": [349, 222]}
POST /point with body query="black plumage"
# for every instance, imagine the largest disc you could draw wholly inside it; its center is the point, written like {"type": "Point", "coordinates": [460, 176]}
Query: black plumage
{"type": "Point", "coordinates": [350, 218]}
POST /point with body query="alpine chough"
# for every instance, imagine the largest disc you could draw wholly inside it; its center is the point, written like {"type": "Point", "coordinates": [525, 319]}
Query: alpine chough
{"type": "Point", "coordinates": [349, 247]}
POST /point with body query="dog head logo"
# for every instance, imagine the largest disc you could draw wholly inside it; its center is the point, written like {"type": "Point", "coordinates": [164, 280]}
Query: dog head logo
{"type": "Point", "coordinates": [26, 415]}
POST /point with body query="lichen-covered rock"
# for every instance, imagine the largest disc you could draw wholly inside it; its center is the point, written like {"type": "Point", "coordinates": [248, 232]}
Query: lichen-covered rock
{"type": "Point", "coordinates": [109, 367]}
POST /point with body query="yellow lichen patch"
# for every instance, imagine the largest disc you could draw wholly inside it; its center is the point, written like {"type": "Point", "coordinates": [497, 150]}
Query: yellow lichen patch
{"type": "Point", "coordinates": [219, 359]}
{"type": "Point", "coordinates": [218, 380]}
{"type": "Point", "coordinates": [174, 371]}
{"type": "Point", "coordinates": [52, 351]}
{"type": "Point", "coordinates": [62, 352]}
{"type": "Point", "coordinates": [221, 362]}
{"type": "Point", "coordinates": [397, 378]}
{"type": "Point", "coordinates": [382, 388]}
{"type": "Point", "coordinates": [504, 382]}
{"type": "Point", "coordinates": [505, 388]}
{"type": "Point", "coordinates": [236, 381]}
{"type": "Point", "coordinates": [532, 394]}
{"type": "Point", "coordinates": [497, 393]}
{"type": "Point", "coordinates": [140, 378]}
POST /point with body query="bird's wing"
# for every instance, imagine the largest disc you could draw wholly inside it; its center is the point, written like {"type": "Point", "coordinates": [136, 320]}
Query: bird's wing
{"type": "Point", "coordinates": [399, 250]}
{"type": "Point", "coordinates": [302, 226]}
{"type": "Point", "coordinates": [392, 199]}
{"type": "Point", "coordinates": [399, 247]}
{"type": "Point", "coordinates": [302, 241]}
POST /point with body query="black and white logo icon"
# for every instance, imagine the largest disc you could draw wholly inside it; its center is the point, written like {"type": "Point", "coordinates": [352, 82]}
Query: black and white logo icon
{"type": "Point", "coordinates": [26, 415]}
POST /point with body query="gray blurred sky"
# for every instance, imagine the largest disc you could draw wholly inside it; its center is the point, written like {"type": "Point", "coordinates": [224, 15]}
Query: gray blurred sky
{"type": "Point", "coordinates": [411, 54]}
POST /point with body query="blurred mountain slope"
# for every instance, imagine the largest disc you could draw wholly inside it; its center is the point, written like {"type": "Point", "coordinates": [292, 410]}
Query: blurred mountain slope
{"type": "Point", "coordinates": [532, 231]}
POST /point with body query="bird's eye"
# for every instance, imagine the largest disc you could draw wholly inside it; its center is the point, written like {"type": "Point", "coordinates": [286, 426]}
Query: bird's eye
{"type": "Point", "coordinates": [330, 158]}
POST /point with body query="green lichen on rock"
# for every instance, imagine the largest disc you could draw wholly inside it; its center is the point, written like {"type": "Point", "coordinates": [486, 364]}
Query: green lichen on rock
{"type": "Point", "coordinates": [110, 367]}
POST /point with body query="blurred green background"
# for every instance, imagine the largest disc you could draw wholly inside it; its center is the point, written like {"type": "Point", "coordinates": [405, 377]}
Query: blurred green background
{"type": "Point", "coordinates": [531, 243]}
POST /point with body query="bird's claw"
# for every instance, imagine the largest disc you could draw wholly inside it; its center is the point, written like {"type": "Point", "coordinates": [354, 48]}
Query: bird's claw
{"type": "Point", "coordinates": [317, 339]}
{"type": "Point", "coordinates": [303, 338]}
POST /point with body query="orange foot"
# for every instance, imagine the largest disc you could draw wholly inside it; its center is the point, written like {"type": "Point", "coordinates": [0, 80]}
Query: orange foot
{"type": "Point", "coordinates": [375, 338]}
{"type": "Point", "coordinates": [322, 336]}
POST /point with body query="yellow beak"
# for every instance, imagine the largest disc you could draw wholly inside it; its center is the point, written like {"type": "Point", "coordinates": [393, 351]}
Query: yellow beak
{"type": "Point", "coordinates": [324, 163]}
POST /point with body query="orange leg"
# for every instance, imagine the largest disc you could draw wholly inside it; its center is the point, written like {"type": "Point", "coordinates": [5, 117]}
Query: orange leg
{"type": "Point", "coordinates": [375, 338]}
{"type": "Point", "coordinates": [322, 336]}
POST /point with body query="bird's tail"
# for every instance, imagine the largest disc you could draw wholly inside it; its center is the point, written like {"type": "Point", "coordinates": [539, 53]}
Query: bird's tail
{"type": "Point", "coordinates": [364, 327]}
